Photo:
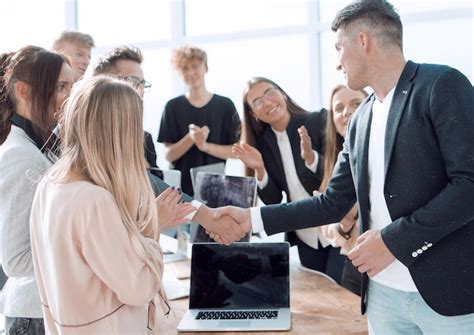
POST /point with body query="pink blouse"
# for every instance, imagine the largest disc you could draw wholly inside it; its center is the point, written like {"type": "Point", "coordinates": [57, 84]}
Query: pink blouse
{"type": "Point", "coordinates": [89, 276]}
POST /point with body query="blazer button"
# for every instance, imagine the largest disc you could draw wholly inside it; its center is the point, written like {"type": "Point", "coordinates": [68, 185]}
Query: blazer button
{"type": "Point", "coordinates": [414, 254]}
{"type": "Point", "coordinates": [429, 245]}
{"type": "Point", "coordinates": [424, 248]}
{"type": "Point", "coordinates": [419, 251]}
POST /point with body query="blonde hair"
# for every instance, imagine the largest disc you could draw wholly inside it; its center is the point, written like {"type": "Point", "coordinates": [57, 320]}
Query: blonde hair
{"type": "Point", "coordinates": [73, 37]}
{"type": "Point", "coordinates": [333, 141]}
{"type": "Point", "coordinates": [102, 139]}
{"type": "Point", "coordinates": [186, 53]}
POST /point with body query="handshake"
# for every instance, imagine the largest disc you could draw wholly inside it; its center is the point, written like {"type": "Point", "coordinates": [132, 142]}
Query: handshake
{"type": "Point", "coordinates": [224, 224]}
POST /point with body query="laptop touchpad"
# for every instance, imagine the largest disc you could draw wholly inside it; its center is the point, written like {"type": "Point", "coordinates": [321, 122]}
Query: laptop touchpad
{"type": "Point", "coordinates": [234, 324]}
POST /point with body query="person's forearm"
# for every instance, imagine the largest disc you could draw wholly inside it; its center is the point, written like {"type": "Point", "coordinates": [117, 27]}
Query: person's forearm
{"type": "Point", "coordinates": [218, 150]}
{"type": "Point", "coordinates": [260, 173]}
{"type": "Point", "coordinates": [174, 151]}
{"type": "Point", "coordinates": [202, 214]}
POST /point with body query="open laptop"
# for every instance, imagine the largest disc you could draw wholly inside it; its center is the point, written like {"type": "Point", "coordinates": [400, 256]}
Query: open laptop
{"type": "Point", "coordinates": [216, 190]}
{"type": "Point", "coordinates": [241, 287]}
{"type": "Point", "coordinates": [214, 168]}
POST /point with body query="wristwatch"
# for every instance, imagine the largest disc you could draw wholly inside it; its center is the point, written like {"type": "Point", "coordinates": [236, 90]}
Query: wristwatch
{"type": "Point", "coordinates": [346, 234]}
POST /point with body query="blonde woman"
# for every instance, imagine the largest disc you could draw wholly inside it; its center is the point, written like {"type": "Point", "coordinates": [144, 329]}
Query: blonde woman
{"type": "Point", "coordinates": [343, 102]}
{"type": "Point", "coordinates": [94, 220]}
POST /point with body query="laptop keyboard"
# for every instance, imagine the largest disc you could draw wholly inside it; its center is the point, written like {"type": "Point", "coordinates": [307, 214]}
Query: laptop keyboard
{"type": "Point", "coordinates": [237, 315]}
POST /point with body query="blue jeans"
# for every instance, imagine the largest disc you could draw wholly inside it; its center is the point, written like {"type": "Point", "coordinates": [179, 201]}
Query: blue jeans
{"type": "Point", "coordinates": [391, 311]}
{"type": "Point", "coordinates": [30, 326]}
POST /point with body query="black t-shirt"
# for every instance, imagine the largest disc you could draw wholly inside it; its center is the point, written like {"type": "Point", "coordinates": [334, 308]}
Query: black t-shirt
{"type": "Point", "coordinates": [219, 114]}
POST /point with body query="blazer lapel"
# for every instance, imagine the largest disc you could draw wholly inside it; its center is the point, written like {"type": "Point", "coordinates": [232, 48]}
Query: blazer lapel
{"type": "Point", "coordinates": [270, 137]}
{"type": "Point", "coordinates": [400, 97]}
{"type": "Point", "coordinates": [362, 156]}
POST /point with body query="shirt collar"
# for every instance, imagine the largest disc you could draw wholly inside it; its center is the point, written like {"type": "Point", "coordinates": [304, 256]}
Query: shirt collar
{"type": "Point", "coordinates": [279, 134]}
{"type": "Point", "coordinates": [27, 126]}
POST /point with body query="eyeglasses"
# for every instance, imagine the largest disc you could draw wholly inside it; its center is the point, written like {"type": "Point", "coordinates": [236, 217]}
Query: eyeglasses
{"type": "Point", "coordinates": [137, 82]}
{"type": "Point", "coordinates": [269, 93]}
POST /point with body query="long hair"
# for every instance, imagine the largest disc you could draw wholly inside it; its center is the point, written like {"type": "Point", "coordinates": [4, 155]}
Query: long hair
{"type": "Point", "coordinates": [253, 129]}
{"type": "Point", "coordinates": [102, 139]}
{"type": "Point", "coordinates": [6, 105]}
{"type": "Point", "coordinates": [40, 70]}
{"type": "Point", "coordinates": [333, 141]}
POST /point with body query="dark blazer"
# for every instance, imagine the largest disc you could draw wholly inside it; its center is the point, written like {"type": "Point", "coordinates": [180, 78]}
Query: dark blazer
{"type": "Point", "coordinates": [267, 144]}
{"type": "Point", "coordinates": [150, 153]}
{"type": "Point", "coordinates": [429, 185]}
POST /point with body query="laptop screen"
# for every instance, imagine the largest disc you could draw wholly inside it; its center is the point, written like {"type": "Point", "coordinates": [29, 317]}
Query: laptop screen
{"type": "Point", "coordinates": [240, 276]}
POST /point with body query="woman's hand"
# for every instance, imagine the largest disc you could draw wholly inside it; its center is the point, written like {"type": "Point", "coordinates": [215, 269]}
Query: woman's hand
{"type": "Point", "coordinates": [307, 153]}
{"type": "Point", "coordinates": [171, 211]}
{"type": "Point", "coordinates": [349, 220]}
{"type": "Point", "coordinates": [249, 155]}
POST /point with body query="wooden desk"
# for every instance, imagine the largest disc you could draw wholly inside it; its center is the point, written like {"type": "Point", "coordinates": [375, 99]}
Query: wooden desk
{"type": "Point", "coordinates": [318, 306]}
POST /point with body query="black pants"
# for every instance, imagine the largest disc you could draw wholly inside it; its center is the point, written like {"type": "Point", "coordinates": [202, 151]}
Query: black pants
{"type": "Point", "coordinates": [327, 260]}
{"type": "Point", "coordinates": [29, 326]}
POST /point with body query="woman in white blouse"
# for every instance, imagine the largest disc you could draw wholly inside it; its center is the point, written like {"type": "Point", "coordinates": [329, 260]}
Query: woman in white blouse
{"type": "Point", "coordinates": [283, 149]}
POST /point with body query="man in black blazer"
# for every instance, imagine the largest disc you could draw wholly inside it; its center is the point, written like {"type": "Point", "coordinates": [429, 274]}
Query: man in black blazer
{"type": "Point", "coordinates": [408, 160]}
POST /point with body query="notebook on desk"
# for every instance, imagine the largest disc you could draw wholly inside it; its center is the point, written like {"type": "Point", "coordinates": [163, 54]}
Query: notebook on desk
{"type": "Point", "coordinates": [241, 287]}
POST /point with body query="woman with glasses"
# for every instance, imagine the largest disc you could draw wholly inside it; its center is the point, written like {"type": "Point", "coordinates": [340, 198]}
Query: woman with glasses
{"type": "Point", "coordinates": [283, 146]}
{"type": "Point", "coordinates": [199, 127]}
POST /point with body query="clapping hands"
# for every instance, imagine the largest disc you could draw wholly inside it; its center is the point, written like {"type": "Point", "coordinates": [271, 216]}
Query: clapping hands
{"type": "Point", "coordinates": [307, 153]}
{"type": "Point", "coordinates": [171, 211]}
{"type": "Point", "coordinates": [251, 157]}
{"type": "Point", "coordinates": [199, 135]}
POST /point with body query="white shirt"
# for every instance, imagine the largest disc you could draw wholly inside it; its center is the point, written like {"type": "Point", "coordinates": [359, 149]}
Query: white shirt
{"type": "Point", "coordinates": [296, 190]}
{"type": "Point", "coordinates": [396, 275]}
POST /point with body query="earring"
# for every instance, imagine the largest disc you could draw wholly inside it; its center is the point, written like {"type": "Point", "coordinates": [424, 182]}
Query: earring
{"type": "Point", "coordinates": [256, 119]}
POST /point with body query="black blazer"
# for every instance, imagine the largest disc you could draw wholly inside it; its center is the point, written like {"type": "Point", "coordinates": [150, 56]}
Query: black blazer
{"type": "Point", "coordinates": [150, 153]}
{"type": "Point", "coordinates": [267, 144]}
{"type": "Point", "coordinates": [429, 185]}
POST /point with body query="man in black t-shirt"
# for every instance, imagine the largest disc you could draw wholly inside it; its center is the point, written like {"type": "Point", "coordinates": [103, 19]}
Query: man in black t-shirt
{"type": "Point", "coordinates": [199, 127]}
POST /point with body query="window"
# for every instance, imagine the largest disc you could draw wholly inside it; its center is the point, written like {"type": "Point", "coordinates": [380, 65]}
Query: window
{"type": "Point", "coordinates": [118, 22]}
{"type": "Point", "coordinates": [223, 16]}
{"type": "Point", "coordinates": [23, 22]}
{"type": "Point", "coordinates": [284, 60]}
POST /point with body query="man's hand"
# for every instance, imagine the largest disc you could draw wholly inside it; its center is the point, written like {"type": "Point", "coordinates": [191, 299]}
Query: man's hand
{"type": "Point", "coordinates": [239, 215]}
{"type": "Point", "coordinates": [199, 135]}
{"type": "Point", "coordinates": [307, 153]}
{"type": "Point", "coordinates": [170, 211]}
{"type": "Point", "coordinates": [370, 253]}
{"type": "Point", "coordinates": [224, 227]}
